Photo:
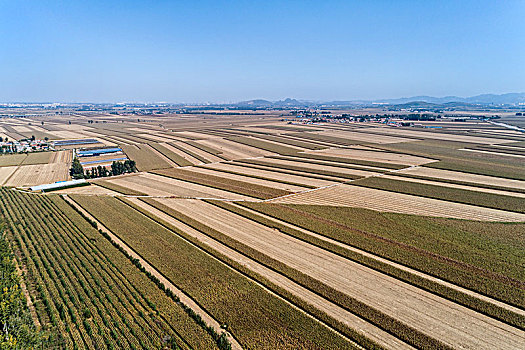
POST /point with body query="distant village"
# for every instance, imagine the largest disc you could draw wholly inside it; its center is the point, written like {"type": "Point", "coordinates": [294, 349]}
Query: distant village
{"type": "Point", "coordinates": [25, 145]}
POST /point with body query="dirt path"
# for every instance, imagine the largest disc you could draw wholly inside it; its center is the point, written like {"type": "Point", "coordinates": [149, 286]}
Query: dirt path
{"type": "Point", "coordinates": [185, 299]}
{"type": "Point", "coordinates": [338, 313]}
{"type": "Point", "coordinates": [391, 263]}
{"type": "Point", "coordinates": [437, 317]}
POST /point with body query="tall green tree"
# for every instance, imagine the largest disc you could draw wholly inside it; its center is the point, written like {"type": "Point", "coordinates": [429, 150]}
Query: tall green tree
{"type": "Point", "coordinates": [76, 171]}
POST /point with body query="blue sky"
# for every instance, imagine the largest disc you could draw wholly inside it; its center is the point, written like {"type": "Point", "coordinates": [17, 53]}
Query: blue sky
{"type": "Point", "coordinates": [223, 51]}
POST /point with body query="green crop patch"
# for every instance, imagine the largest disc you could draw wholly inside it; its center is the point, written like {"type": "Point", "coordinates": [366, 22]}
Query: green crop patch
{"type": "Point", "coordinates": [255, 317]}
{"type": "Point", "coordinates": [145, 157]}
{"type": "Point", "coordinates": [223, 183]}
{"type": "Point", "coordinates": [174, 157]}
{"type": "Point", "coordinates": [86, 291]}
{"type": "Point", "coordinates": [483, 199]}
{"type": "Point", "coordinates": [481, 256]}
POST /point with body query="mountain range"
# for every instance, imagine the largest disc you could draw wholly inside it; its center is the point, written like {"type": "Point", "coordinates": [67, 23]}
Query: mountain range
{"type": "Point", "coordinates": [484, 99]}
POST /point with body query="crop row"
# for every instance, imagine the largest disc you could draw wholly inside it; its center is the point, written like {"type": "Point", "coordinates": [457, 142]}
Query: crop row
{"type": "Point", "coordinates": [18, 328]}
{"type": "Point", "coordinates": [117, 188]}
{"type": "Point", "coordinates": [420, 282]}
{"type": "Point", "coordinates": [349, 160]}
{"type": "Point", "coordinates": [253, 316]}
{"type": "Point", "coordinates": [258, 177]}
{"type": "Point", "coordinates": [145, 157]}
{"type": "Point", "coordinates": [174, 157]}
{"type": "Point", "coordinates": [459, 182]}
{"type": "Point", "coordinates": [88, 298]}
{"type": "Point", "coordinates": [223, 183]}
{"type": "Point", "coordinates": [326, 138]}
{"type": "Point", "coordinates": [452, 158]}
{"type": "Point", "coordinates": [453, 250]}
{"type": "Point", "coordinates": [299, 168]}
{"type": "Point", "coordinates": [205, 148]}
{"type": "Point", "coordinates": [329, 163]}
{"type": "Point", "coordinates": [290, 141]}
{"type": "Point", "coordinates": [267, 146]}
{"type": "Point", "coordinates": [374, 316]}
{"type": "Point", "coordinates": [341, 327]}
{"type": "Point", "coordinates": [284, 171]}
{"type": "Point", "coordinates": [500, 149]}
{"type": "Point", "coordinates": [458, 195]}
{"type": "Point", "coordinates": [187, 151]}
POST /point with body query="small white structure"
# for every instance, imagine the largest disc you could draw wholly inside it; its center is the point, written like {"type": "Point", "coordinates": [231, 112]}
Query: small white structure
{"type": "Point", "coordinates": [58, 184]}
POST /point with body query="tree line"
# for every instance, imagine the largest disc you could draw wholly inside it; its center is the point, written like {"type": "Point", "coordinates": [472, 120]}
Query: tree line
{"type": "Point", "coordinates": [77, 171]}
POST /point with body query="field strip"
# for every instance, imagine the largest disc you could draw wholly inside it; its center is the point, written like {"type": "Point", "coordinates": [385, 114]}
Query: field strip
{"type": "Point", "coordinates": [6, 172]}
{"type": "Point", "coordinates": [338, 313]}
{"type": "Point", "coordinates": [268, 183]}
{"type": "Point", "coordinates": [316, 167]}
{"type": "Point", "coordinates": [432, 315]}
{"type": "Point", "coordinates": [434, 135]}
{"type": "Point", "coordinates": [446, 184]}
{"type": "Point", "coordinates": [331, 163]}
{"type": "Point", "coordinates": [161, 155]}
{"type": "Point", "coordinates": [376, 156]}
{"type": "Point", "coordinates": [268, 174]}
{"type": "Point", "coordinates": [364, 137]}
{"type": "Point", "coordinates": [157, 185]}
{"type": "Point", "coordinates": [385, 201]}
{"type": "Point", "coordinates": [245, 150]}
{"type": "Point", "coordinates": [185, 299]}
{"type": "Point", "coordinates": [184, 155]}
{"type": "Point", "coordinates": [492, 152]}
{"type": "Point", "coordinates": [228, 152]}
{"type": "Point", "coordinates": [197, 151]}
{"type": "Point", "coordinates": [465, 177]}
{"type": "Point", "coordinates": [246, 163]}
{"type": "Point", "coordinates": [388, 262]}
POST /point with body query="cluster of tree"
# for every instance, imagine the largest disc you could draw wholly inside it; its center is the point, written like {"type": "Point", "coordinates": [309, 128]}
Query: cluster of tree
{"type": "Point", "coordinates": [17, 328]}
{"type": "Point", "coordinates": [117, 168]}
{"type": "Point", "coordinates": [128, 166]}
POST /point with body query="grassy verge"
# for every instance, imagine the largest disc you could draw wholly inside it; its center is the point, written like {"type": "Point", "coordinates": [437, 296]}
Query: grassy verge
{"type": "Point", "coordinates": [223, 183]}
{"type": "Point", "coordinates": [255, 317]}
{"type": "Point", "coordinates": [458, 195]}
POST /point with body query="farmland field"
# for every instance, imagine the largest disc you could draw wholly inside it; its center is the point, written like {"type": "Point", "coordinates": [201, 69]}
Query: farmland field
{"type": "Point", "coordinates": [268, 228]}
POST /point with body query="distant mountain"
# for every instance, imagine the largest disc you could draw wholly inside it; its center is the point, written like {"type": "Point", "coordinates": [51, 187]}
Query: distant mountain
{"type": "Point", "coordinates": [289, 102]}
{"type": "Point", "coordinates": [485, 99]}
{"type": "Point", "coordinates": [510, 98]}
